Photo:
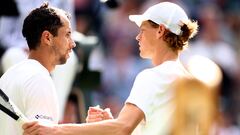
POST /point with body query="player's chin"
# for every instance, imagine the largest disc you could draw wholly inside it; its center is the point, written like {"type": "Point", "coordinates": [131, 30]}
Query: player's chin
{"type": "Point", "coordinates": [63, 60]}
{"type": "Point", "coordinates": [142, 54]}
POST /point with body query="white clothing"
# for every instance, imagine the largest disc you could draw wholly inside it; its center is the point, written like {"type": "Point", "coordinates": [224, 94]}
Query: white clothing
{"type": "Point", "coordinates": [29, 85]}
{"type": "Point", "coordinates": [62, 76]}
{"type": "Point", "coordinates": [152, 93]}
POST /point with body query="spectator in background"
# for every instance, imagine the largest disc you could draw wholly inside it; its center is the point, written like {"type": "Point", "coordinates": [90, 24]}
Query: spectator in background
{"type": "Point", "coordinates": [196, 99]}
{"type": "Point", "coordinates": [210, 42]}
{"type": "Point", "coordinates": [196, 108]}
{"type": "Point", "coordinates": [88, 17]}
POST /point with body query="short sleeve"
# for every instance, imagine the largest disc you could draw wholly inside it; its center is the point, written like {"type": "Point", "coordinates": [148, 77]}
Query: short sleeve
{"type": "Point", "coordinates": [142, 92]}
{"type": "Point", "coordinates": [40, 99]}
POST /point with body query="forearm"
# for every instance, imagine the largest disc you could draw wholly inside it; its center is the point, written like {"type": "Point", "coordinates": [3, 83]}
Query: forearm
{"type": "Point", "coordinates": [107, 127]}
{"type": "Point", "coordinates": [128, 119]}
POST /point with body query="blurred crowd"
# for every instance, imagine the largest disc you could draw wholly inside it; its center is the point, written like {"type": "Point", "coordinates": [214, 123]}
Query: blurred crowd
{"type": "Point", "coordinates": [107, 53]}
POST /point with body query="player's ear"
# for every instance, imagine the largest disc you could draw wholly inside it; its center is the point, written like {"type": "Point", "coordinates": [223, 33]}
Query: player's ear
{"type": "Point", "coordinates": [161, 30]}
{"type": "Point", "coordinates": [46, 37]}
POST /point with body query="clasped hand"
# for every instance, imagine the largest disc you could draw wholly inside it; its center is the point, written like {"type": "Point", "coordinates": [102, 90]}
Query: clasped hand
{"type": "Point", "coordinates": [96, 114]}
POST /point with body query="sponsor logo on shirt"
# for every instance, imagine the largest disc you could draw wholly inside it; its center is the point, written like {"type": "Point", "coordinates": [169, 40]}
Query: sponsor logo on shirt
{"type": "Point", "coordinates": [44, 117]}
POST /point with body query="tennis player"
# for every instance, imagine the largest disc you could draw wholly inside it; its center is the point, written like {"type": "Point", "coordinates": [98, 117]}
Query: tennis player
{"type": "Point", "coordinates": [29, 85]}
{"type": "Point", "coordinates": [165, 30]}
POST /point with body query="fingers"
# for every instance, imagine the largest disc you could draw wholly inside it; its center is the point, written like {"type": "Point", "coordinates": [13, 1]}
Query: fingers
{"type": "Point", "coordinates": [95, 109]}
{"type": "Point", "coordinates": [29, 124]}
{"type": "Point", "coordinates": [94, 117]}
{"type": "Point", "coordinates": [107, 114]}
{"type": "Point", "coordinates": [90, 120]}
{"type": "Point", "coordinates": [96, 114]}
{"type": "Point", "coordinates": [30, 128]}
{"type": "Point", "coordinates": [34, 132]}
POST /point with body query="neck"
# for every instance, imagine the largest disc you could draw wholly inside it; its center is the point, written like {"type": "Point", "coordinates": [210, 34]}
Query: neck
{"type": "Point", "coordinates": [167, 57]}
{"type": "Point", "coordinates": [42, 59]}
{"type": "Point", "coordinates": [164, 54]}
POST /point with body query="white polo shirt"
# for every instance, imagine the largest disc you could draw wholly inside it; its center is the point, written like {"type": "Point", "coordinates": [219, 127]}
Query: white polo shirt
{"type": "Point", "coordinates": [152, 93]}
{"type": "Point", "coordinates": [29, 85]}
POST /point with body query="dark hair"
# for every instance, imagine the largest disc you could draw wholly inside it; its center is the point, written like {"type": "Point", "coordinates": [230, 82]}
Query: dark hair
{"type": "Point", "coordinates": [178, 42]}
{"type": "Point", "coordinates": [40, 19]}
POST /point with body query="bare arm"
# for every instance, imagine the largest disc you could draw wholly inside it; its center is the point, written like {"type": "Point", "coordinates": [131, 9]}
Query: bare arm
{"type": "Point", "coordinates": [129, 117]}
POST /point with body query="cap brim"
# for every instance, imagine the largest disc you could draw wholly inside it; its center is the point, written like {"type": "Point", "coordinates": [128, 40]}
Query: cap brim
{"type": "Point", "coordinates": [138, 19]}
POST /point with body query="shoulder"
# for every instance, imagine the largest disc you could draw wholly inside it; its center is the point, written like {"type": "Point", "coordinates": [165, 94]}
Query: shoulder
{"type": "Point", "coordinates": [145, 76]}
{"type": "Point", "coordinates": [34, 76]}
{"type": "Point", "coordinates": [168, 71]}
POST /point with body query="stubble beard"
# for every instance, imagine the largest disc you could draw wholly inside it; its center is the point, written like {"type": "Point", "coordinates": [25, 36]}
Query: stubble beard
{"type": "Point", "coordinates": [62, 60]}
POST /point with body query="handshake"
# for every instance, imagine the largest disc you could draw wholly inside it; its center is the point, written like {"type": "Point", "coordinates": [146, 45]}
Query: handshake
{"type": "Point", "coordinates": [96, 114]}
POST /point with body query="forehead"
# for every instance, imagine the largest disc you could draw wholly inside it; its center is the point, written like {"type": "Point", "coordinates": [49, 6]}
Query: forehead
{"type": "Point", "coordinates": [145, 24]}
{"type": "Point", "coordinates": [65, 20]}
{"type": "Point", "coordinates": [65, 28]}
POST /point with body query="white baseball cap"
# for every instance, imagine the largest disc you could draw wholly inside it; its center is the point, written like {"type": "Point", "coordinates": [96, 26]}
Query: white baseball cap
{"type": "Point", "coordinates": [169, 14]}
